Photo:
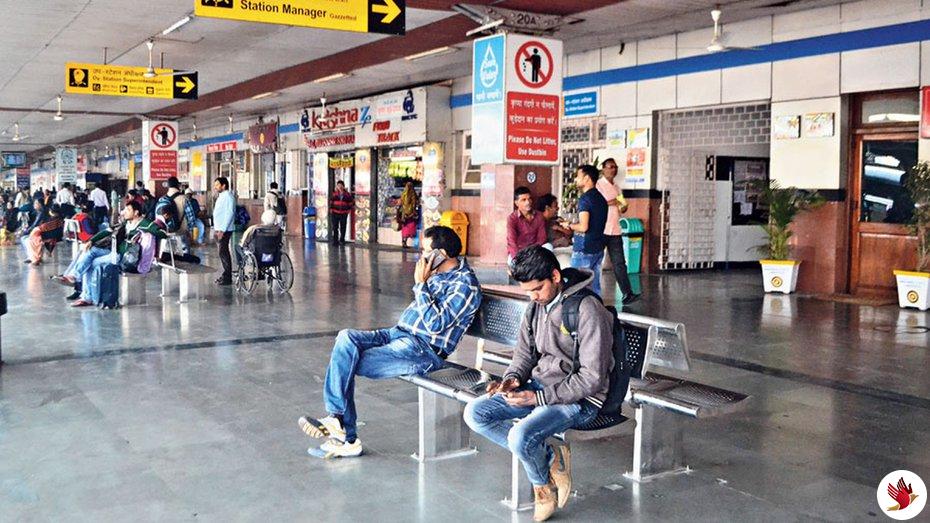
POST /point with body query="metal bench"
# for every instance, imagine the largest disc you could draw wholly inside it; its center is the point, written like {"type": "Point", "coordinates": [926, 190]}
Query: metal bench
{"type": "Point", "coordinates": [659, 402]}
{"type": "Point", "coordinates": [187, 281]}
{"type": "Point", "coordinates": [132, 289]}
{"type": "Point", "coordinates": [70, 233]}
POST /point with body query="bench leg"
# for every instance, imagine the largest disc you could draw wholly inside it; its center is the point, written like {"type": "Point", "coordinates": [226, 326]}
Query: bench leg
{"type": "Point", "coordinates": [194, 287]}
{"type": "Point", "coordinates": [442, 429]}
{"type": "Point", "coordinates": [170, 284]}
{"type": "Point", "coordinates": [132, 291]}
{"type": "Point", "coordinates": [657, 445]}
{"type": "Point", "coordinates": [521, 490]}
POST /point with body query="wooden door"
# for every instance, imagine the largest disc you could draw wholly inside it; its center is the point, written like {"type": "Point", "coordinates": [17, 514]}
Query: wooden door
{"type": "Point", "coordinates": [879, 210]}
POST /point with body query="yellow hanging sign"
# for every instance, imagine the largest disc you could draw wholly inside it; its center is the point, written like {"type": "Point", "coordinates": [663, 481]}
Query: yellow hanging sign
{"type": "Point", "coordinates": [120, 80]}
{"type": "Point", "coordinates": [362, 16]}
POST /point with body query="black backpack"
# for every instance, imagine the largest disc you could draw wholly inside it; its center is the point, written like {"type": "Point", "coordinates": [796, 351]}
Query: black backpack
{"type": "Point", "coordinates": [619, 377]}
{"type": "Point", "coordinates": [281, 206]}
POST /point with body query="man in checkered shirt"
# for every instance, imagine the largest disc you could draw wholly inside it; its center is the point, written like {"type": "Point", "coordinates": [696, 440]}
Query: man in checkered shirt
{"type": "Point", "coordinates": [446, 298]}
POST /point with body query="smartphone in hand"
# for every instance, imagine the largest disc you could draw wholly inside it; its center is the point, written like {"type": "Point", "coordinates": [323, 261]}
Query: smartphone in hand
{"type": "Point", "coordinates": [435, 258]}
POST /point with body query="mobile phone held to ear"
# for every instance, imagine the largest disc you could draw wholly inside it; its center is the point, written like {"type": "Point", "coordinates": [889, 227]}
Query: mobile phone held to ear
{"type": "Point", "coordinates": [435, 258]}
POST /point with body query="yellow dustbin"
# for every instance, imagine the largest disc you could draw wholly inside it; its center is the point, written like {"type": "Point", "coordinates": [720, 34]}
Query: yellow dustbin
{"type": "Point", "coordinates": [458, 222]}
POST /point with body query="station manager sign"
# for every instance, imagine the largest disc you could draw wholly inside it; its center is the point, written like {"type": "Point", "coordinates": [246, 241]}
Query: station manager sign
{"type": "Point", "coordinates": [363, 16]}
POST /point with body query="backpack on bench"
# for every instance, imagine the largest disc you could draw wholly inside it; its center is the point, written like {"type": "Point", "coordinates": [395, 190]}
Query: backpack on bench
{"type": "Point", "coordinates": [619, 376]}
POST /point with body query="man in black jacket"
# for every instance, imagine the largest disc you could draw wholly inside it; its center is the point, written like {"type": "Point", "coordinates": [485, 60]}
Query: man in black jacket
{"type": "Point", "coordinates": [539, 387]}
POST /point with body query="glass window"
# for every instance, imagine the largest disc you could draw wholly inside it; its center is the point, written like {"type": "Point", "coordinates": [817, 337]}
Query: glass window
{"type": "Point", "coordinates": [885, 166]}
{"type": "Point", "coordinates": [894, 109]}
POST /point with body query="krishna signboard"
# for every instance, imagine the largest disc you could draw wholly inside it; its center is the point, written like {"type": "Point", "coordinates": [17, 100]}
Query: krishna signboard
{"type": "Point", "coordinates": [392, 118]}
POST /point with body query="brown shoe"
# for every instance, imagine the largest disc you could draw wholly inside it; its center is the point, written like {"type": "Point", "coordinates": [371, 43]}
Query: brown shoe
{"type": "Point", "coordinates": [560, 473]}
{"type": "Point", "coordinates": [545, 502]}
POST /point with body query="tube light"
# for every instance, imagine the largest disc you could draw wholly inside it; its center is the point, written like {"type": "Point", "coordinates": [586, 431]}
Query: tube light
{"type": "Point", "coordinates": [269, 94]}
{"type": "Point", "coordinates": [439, 51]}
{"type": "Point", "coordinates": [177, 25]}
{"type": "Point", "coordinates": [330, 77]}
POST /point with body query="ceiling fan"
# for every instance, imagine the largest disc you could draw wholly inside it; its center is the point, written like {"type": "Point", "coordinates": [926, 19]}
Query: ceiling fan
{"type": "Point", "coordinates": [151, 72]}
{"type": "Point", "coordinates": [716, 44]}
{"type": "Point", "coordinates": [16, 136]}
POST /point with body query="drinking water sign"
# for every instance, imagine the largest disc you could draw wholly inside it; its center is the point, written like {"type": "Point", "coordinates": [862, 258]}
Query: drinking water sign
{"type": "Point", "coordinates": [487, 109]}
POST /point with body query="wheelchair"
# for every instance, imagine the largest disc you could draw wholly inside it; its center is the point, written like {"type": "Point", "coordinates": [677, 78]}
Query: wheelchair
{"type": "Point", "coordinates": [265, 260]}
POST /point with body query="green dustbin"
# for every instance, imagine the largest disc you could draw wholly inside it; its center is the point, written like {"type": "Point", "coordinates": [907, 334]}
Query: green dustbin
{"type": "Point", "coordinates": [632, 231]}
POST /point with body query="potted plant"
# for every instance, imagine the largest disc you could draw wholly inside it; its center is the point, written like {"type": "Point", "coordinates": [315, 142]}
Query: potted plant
{"type": "Point", "coordinates": [914, 286]}
{"type": "Point", "coordinates": [779, 273]}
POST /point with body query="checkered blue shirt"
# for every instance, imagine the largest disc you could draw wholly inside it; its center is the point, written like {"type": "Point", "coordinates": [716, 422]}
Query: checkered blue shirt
{"type": "Point", "coordinates": [443, 307]}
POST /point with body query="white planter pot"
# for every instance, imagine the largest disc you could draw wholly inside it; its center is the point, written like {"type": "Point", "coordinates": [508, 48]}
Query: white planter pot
{"type": "Point", "coordinates": [913, 289]}
{"type": "Point", "coordinates": [780, 275]}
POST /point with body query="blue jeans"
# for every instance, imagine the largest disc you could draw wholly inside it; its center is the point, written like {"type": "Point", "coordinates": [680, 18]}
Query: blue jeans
{"type": "Point", "coordinates": [85, 263]}
{"type": "Point", "coordinates": [90, 286]}
{"type": "Point", "coordinates": [582, 260]}
{"type": "Point", "coordinates": [493, 418]}
{"type": "Point", "coordinates": [384, 353]}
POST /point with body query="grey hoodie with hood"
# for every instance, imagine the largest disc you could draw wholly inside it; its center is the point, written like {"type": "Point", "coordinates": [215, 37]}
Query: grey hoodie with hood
{"type": "Point", "coordinates": [551, 367]}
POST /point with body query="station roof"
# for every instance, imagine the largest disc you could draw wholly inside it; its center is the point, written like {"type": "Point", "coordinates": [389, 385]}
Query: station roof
{"type": "Point", "coordinates": [238, 61]}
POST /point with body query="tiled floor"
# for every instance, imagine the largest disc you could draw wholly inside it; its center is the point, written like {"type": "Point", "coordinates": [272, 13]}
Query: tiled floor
{"type": "Point", "coordinates": [174, 412]}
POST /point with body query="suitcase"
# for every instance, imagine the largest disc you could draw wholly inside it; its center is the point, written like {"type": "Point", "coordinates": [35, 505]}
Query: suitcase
{"type": "Point", "coordinates": [108, 275]}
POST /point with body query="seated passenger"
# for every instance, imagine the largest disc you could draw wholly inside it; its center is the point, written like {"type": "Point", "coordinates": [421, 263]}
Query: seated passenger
{"type": "Point", "coordinates": [446, 298]}
{"type": "Point", "coordinates": [269, 217]}
{"type": "Point", "coordinates": [539, 387]}
{"type": "Point", "coordinates": [44, 235]}
{"type": "Point", "coordinates": [556, 235]}
{"type": "Point", "coordinates": [134, 229]}
{"type": "Point", "coordinates": [10, 224]}
{"type": "Point", "coordinates": [525, 226]}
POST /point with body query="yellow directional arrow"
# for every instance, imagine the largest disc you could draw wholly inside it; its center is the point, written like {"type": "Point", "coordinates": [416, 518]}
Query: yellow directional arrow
{"type": "Point", "coordinates": [389, 9]}
{"type": "Point", "coordinates": [185, 84]}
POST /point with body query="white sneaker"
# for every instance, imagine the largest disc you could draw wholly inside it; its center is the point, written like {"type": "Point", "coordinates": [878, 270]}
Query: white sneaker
{"type": "Point", "coordinates": [328, 427]}
{"type": "Point", "coordinates": [339, 449]}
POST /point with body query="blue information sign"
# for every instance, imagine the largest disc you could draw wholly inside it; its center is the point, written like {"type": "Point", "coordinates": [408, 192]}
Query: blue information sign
{"type": "Point", "coordinates": [581, 104]}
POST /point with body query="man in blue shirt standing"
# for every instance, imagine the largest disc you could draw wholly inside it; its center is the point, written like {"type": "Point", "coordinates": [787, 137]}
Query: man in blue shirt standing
{"type": "Point", "coordinates": [224, 213]}
{"type": "Point", "coordinates": [589, 242]}
{"type": "Point", "coordinates": [446, 297]}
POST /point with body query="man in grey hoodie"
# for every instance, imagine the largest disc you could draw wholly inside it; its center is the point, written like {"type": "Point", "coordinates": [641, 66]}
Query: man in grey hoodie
{"type": "Point", "coordinates": [539, 388]}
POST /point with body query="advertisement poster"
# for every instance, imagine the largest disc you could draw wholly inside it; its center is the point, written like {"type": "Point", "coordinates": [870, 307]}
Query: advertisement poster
{"type": "Point", "coordinates": [818, 125]}
{"type": "Point", "coordinates": [786, 127]}
{"type": "Point", "coordinates": [434, 184]}
{"type": "Point", "coordinates": [197, 170]}
{"type": "Point", "coordinates": [362, 191]}
{"type": "Point", "coordinates": [616, 138]}
{"type": "Point", "coordinates": [637, 138]}
{"type": "Point", "coordinates": [635, 167]}
{"type": "Point", "coordinates": [321, 193]}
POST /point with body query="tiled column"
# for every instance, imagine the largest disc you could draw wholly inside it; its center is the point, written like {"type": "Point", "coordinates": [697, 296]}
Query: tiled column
{"type": "Point", "coordinates": [497, 183]}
